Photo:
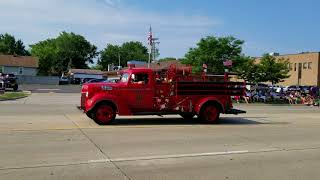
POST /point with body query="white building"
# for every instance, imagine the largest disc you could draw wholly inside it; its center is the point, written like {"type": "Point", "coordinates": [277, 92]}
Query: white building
{"type": "Point", "coordinates": [19, 65]}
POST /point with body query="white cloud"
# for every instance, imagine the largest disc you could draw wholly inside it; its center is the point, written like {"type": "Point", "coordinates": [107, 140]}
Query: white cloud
{"type": "Point", "coordinates": [101, 21]}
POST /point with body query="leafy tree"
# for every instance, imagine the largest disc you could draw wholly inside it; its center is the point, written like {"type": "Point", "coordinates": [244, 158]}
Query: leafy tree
{"type": "Point", "coordinates": [272, 69]}
{"type": "Point", "coordinates": [9, 45]}
{"type": "Point", "coordinates": [128, 51]}
{"type": "Point", "coordinates": [248, 69]}
{"type": "Point", "coordinates": [47, 52]}
{"type": "Point", "coordinates": [167, 59]}
{"type": "Point", "coordinates": [67, 51]}
{"type": "Point", "coordinates": [110, 55]}
{"type": "Point", "coordinates": [213, 51]}
{"type": "Point", "coordinates": [97, 67]}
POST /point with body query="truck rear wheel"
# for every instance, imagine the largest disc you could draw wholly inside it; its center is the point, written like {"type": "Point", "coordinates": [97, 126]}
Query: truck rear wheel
{"type": "Point", "coordinates": [187, 116]}
{"type": "Point", "coordinates": [209, 113]}
{"type": "Point", "coordinates": [104, 114]}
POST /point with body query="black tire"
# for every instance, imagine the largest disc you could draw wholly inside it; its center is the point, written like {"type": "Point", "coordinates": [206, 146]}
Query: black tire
{"type": "Point", "coordinates": [210, 113]}
{"type": "Point", "coordinates": [104, 113]}
{"type": "Point", "coordinates": [89, 114]}
{"type": "Point", "coordinates": [15, 87]}
{"type": "Point", "coordinates": [187, 116]}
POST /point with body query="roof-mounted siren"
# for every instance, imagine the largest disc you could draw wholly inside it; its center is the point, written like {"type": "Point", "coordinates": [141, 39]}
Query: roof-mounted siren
{"type": "Point", "coordinates": [131, 65]}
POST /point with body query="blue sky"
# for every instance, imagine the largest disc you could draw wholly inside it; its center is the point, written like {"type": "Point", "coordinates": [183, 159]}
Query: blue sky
{"type": "Point", "coordinates": [265, 26]}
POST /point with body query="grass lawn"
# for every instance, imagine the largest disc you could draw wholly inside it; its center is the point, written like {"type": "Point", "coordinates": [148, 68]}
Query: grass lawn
{"type": "Point", "coordinates": [12, 95]}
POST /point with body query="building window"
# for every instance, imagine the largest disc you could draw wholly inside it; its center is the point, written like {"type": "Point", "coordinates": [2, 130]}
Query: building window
{"type": "Point", "coordinates": [295, 66]}
{"type": "Point", "coordinates": [290, 66]}
{"type": "Point", "coordinates": [309, 65]}
{"type": "Point", "coordinates": [1, 69]}
{"type": "Point", "coordinates": [305, 65]}
{"type": "Point", "coordinates": [20, 70]}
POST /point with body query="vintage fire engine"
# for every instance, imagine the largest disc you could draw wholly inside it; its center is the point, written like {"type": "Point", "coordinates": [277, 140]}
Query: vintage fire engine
{"type": "Point", "coordinates": [145, 91]}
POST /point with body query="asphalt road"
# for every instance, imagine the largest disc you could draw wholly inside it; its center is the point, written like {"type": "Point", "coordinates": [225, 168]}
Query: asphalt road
{"type": "Point", "coordinates": [44, 136]}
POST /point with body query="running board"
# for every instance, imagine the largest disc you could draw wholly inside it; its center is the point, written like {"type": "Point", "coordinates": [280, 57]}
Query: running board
{"type": "Point", "coordinates": [234, 111]}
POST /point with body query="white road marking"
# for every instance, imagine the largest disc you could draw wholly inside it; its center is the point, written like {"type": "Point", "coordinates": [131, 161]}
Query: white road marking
{"type": "Point", "coordinates": [99, 161]}
{"type": "Point", "coordinates": [178, 156]}
{"type": "Point", "coordinates": [167, 156]}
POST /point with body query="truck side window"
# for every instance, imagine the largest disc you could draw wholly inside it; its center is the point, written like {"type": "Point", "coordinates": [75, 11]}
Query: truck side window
{"type": "Point", "coordinates": [140, 78]}
{"type": "Point", "coordinates": [124, 77]}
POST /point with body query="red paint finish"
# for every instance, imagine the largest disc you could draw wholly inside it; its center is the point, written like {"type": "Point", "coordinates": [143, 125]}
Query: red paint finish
{"type": "Point", "coordinates": [159, 91]}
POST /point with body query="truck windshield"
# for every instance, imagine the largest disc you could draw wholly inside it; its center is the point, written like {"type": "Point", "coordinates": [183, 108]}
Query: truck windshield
{"type": "Point", "coordinates": [124, 77]}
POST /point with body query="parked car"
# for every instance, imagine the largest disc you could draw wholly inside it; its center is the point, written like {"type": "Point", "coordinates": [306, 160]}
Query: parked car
{"type": "Point", "coordinates": [75, 81]}
{"type": "Point", "coordinates": [256, 86]}
{"type": "Point", "coordinates": [10, 81]}
{"type": "Point", "coordinates": [294, 88]}
{"type": "Point", "coordinates": [2, 86]}
{"type": "Point", "coordinates": [97, 80]}
{"type": "Point", "coordinates": [305, 89]}
{"type": "Point", "coordinates": [84, 80]}
{"type": "Point", "coordinates": [63, 80]}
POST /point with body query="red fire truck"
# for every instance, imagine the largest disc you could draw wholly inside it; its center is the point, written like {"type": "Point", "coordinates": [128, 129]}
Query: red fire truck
{"type": "Point", "coordinates": [145, 91]}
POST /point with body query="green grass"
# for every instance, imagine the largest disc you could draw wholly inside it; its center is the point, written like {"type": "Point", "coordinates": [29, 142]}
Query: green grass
{"type": "Point", "coordinates": [12, 95]}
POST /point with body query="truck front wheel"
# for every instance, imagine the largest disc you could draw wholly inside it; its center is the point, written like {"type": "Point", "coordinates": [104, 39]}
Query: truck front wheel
{"type": "Point", "coordinates": [209, 114]}
{"type": "Point", "coordinates": [15, 87]}
{"type": "Point", "coordinates": [104, 114]}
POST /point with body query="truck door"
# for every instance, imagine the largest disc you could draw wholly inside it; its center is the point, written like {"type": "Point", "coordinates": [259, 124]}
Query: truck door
{"type": "Point", "coordinates": [141, 92]}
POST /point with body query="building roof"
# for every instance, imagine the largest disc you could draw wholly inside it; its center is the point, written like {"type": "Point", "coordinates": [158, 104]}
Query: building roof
{"type": "Point", "coordinates": [86, 71]}
{"type": "Point", "coordinates": [19, 61]}
{"type": "Point", "coordinates": [293, 54]}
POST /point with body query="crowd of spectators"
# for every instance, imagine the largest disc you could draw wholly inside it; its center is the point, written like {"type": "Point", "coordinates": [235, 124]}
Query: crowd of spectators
{"type": "Point", "coordinates": [307, 96]}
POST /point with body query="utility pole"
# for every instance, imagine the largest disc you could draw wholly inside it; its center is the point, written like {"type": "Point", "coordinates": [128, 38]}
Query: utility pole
{"type": "Point", "coordinates": [150, 45]}
{"type": "Point", "coordinates": [152, 42]}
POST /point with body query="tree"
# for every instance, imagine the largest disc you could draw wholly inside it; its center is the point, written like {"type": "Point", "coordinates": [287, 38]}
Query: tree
{"type": "Point", "coordinates": [110, 55]}
{"type": "Point", "coordinates": [167, 59]}
{"type": "Point", "coordinates": [9, 46]}
{"type": "Point", "coordinates": [128, 51]}
{"type": "Point", "coordinates": [67, 51]}
{"type": "Point", "coordinates": [272, 69]}
{"type": "Point", "coordinates": [47, 52]}
{"type": "Point", "coordinates": [213, 51]}
{"type": "Point", "coordinates": [248, 69]}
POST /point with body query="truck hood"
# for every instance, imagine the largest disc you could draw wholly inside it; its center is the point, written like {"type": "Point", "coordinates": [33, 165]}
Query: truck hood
{"type": "Point", "coordinates": [96, 87]}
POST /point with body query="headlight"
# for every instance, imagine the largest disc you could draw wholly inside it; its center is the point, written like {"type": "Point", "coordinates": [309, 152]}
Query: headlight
{"type": "Point", "coordinates": [87, 94]}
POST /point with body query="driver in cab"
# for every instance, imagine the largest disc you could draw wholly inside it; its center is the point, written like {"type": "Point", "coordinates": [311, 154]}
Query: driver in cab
{"type": "Point", "coordinates": [138, 79]}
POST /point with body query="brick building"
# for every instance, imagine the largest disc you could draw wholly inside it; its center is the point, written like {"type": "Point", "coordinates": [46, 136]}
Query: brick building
{"type": "Point", "coordinates": [304, 68]}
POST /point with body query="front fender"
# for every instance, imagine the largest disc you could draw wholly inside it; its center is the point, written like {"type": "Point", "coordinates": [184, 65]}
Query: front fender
{"type": "Point", "coordinates": [121, 107]}
{"type": "Point", "coordinates": [201, 102]}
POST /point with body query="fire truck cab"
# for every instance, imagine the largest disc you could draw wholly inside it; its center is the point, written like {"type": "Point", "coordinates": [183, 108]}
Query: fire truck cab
{"type": "Point", "coordinates": [144, 91]}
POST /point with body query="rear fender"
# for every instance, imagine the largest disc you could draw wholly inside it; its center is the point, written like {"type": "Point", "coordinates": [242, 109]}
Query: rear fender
{"type": "Point", "coordinates": [199, 105]}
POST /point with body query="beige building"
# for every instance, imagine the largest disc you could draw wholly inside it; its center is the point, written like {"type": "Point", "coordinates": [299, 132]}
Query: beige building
{"type": "Point", "coordinates": [304, 68]}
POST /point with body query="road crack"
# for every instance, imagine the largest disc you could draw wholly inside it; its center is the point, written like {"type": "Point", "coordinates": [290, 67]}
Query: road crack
{"type": "Point", "coordinates": [106, 156]}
